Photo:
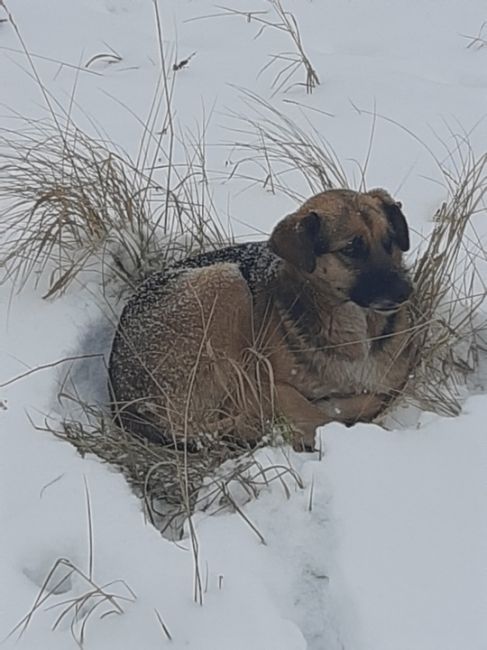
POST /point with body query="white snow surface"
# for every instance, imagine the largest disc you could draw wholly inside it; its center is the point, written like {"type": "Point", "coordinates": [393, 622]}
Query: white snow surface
{"type": "Point", "coordinates": [385, 547]}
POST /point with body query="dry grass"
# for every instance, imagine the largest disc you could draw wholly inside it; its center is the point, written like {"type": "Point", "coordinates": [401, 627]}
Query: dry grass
{"type": "Point", "coordinates": [73, 204]}
{"type": "Point", "coordinates": [100, 600]}
{"type": "Point", "coordinates": [272, 151]}
{"type": "Point", "coordinates": [87, 599]}
{"type": "Point", "coordinates": [168, 479]}
{"type": "Point", "coordinates": [286, 65]}
{"type": "Point", "coordinates": [479, 41]}
{"type": "Point", "coordinates": [289, 63]}
{"type": "Point", "coordinates": [449, 293]}
{"type": "Point", "coordinates": [60, 217]}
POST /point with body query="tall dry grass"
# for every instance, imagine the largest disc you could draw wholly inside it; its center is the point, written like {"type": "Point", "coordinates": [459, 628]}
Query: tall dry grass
{"type": "Point", "coordinates": [286, 65]}
{"type": "Point", "coordinates": [74, 204]}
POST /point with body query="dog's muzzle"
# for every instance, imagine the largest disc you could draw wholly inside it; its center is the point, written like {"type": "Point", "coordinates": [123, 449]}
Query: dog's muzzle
{"type": "Point", "coordinates": [383, 291]}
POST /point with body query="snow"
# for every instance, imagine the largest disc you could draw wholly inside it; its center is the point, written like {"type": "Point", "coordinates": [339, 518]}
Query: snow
{"type": "Point", "coordinates": [418, 571]}
{"type": "Point", "coordinates": [385, 546]}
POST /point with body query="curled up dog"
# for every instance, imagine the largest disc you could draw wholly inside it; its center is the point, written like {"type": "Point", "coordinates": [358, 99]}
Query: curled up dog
{"type": "Point", "coordinates": [308, 327]}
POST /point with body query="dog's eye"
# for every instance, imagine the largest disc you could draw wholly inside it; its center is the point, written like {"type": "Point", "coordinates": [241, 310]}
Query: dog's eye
{"type": "Point", "coordinates": [355, 248]}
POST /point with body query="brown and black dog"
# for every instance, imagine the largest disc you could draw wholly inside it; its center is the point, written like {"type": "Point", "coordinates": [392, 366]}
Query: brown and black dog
{"type": "Point", "coordinates": [311, 326]}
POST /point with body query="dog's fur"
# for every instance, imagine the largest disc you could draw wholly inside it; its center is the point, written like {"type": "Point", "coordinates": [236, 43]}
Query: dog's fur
{"type": "Point", "coordinates": [311, 326]}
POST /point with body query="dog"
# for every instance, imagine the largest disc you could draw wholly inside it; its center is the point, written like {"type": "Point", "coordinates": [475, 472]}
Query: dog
{"type": "Point", "coordinates": [308, 327]}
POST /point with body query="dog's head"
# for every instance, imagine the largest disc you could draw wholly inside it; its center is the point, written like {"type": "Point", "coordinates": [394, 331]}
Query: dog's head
{"type": "Point", "coordinates": [351, 244]}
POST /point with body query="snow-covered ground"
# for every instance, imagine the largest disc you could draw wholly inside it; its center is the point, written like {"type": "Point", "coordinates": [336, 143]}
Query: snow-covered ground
{"type": "Point", "coordinates": [385, 547]}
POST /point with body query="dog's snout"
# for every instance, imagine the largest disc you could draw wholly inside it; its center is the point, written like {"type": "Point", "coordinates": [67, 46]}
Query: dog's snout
{"type": "Point", "coordinates": [401, 289]}
{"type": "Point", "coordinates": [381, 289]}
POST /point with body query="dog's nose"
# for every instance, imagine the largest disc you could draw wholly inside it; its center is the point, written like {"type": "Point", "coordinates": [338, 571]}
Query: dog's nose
{"type": "Point", "coordinates": [402, 289]}
{"type": "Point", "coordinates": [381, 289]}
{"type": "Point", "coordinates": [396, 291]}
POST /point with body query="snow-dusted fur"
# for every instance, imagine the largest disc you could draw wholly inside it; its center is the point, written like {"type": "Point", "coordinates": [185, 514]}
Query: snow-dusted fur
{"type": "Point", "coordinates": [324, 304]}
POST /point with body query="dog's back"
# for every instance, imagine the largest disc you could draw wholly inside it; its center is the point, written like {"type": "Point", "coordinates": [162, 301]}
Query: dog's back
{"type": "Point", "coordinates": [134, 388]}
{"type": "Point", "coordinates": [255, 261]}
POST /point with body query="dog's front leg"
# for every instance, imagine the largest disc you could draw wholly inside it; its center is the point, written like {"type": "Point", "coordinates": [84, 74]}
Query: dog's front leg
{"type": "Point", "coordinates": [302, 414]}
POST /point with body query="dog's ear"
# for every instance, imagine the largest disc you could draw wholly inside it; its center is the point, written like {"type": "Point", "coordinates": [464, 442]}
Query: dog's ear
{"type": "Point", "coordinates": [297, 239]}
{"type": "Point", "coordinates": [395, 216]}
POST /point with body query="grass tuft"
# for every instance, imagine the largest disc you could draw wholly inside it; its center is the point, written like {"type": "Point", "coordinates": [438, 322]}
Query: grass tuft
{"type": "Point", "coordinates": [449, 294]}
{"type": "Point", "coordinates": [73, 205]}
